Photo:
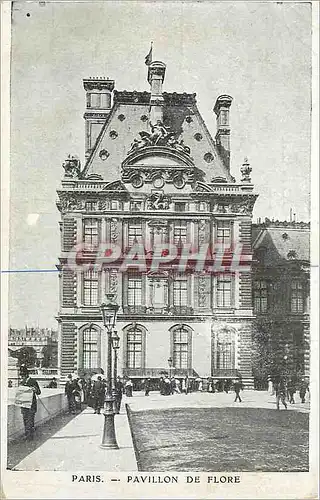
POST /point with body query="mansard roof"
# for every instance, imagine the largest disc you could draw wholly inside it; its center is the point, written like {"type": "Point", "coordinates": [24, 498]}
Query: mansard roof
{"type": "Point", "coordinates": [282, 241]}
{"type": "Point", "coordinates": [129, 117]}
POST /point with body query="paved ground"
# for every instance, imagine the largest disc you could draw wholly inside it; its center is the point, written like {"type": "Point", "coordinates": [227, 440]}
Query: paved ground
{"type": "Point", "coordinates": [250, 399]}
{"type": "Point", "coordinates": [74, 445]}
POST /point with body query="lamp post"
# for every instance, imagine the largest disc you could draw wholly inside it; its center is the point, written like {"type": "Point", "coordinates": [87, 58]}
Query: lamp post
{"type": "Point", "coordinates": [109, 313]}
{"type": "Point", "coordinates": [170, 362]}
{"type": "Point", "coordinates": [115, 345]}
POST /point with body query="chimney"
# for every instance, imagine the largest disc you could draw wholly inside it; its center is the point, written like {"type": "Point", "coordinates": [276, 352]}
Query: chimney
{"type": "Point", "coordinates": [98, 97]}
{"type": "Point", "coordinates": [221, 109]}
{"type": "Point", "coordinates": [156, 73]}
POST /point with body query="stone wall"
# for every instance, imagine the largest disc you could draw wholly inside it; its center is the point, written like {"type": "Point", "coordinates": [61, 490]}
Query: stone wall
{"type": "Point", "coordinates": [50, 403]}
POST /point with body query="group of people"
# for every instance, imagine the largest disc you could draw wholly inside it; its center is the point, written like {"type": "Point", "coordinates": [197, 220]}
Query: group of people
{"type": "Point", "coordinates": [285, 391]}
{"type": "Point", "coordinates": [175, 385]}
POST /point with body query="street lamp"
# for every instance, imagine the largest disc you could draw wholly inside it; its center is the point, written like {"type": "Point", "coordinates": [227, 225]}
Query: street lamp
{"type": "Point", "coordinates": [115, 345]}
{"type": "Point", "coordinates": [109, 313]}
{"type": "Point", "coordinates": [170, 362]}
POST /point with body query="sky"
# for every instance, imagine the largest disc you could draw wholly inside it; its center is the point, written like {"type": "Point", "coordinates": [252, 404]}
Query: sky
{"type": "Point", "coordinates": [259, 53]}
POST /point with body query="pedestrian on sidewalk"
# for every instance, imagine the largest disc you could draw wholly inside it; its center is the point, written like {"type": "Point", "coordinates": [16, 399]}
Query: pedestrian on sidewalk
{"type": "Point", "coordinates": [303, 390]}
{"type": "Point", "coordinates": [147, 384]}
{"type": "Point", "coordinates": [281, 394]}
{"type": "Point", "coordinates": [28, 414]}
{"type": "Point", "coordinates": [186, 385]}
{"type": "Point", "coordinates": [69, 390]}
{"type": "Point", "coordinates": [177, 386]}
{"type": "Point", "coordinates": [291, 391]}
{"type": "Point", "coordinates": [98, 392]}
{"type": "Point", "coordinates": [118, 391]}
{"type": "Point", "coordinates": [237, 388]}
{"type": "Point", "coordinates": [128, 388]}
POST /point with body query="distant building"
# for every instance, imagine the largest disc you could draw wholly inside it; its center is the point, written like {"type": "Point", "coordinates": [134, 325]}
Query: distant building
{"type": "Point", "coordinates": [153, 175]}
{"type": "Point", "coordinates": [43, 342]}
{"type": "Point", "coordinates": [281, 293]}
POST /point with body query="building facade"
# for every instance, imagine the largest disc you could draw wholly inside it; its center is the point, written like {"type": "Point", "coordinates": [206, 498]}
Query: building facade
{"type": "Point", "coordinates": [281, 294]}
{"type": "Point", "coordinates": [155, 179]}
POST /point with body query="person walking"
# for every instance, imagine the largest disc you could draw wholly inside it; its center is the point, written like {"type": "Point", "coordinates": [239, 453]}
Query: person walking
{"type": "Point", "coordinates": [303, 390]}
{"type": "Point", "coordinates": [291, 391]}
{"type": "Point", "coordinates": [98, 392]}
{"type": "Point", "coordinates": [186, 385]}
{"type": "Point", "coordinates": [281, 395]}
{"type": "Point", "coordinates": [28, 414]}
{"type": "Point", "coordinates": [118, 391]}
{"type": "Point", "coordinates": [237, 388]}
{"type": "Point", "coordinates": [177, 386]}
{"type": "Point", "coordinates": [128, 388]}
{"type": "Point", "coordinates": [69, 391]}
{"type": "Point", "coordinates": [147, 384]}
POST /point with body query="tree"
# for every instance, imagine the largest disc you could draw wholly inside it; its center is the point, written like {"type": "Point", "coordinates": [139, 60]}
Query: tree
{"type": "Point", "coordinates": [50, 355]}
{"type": "Point", "coordinates": [26, 356]}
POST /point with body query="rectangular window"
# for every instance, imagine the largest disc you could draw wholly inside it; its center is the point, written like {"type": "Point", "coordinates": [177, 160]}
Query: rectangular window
{"type": "Point", "coordinates": [180, 348]}
{"type": "Point", "coordinates": [95, 100]}
{"type": "Point", "coordinates": [91, 206]}
{"type": "Point", "coordinates": [135, 206]}
{"type": "Point", "coordinates": [134, 349]}
{"type": "Point", "coordinates": [202, 206]}
{"type": "Point", "coordinates": [224, 284]}
{"type": "Point", "coordinates": [114, 205]}
{"type": "Point", "coordinates": [180, 232]}
{"type": "Point", "coordinates": [90, 288]}
{"type": "Point", "coordinates": [180, 207]}
{"type": "Point", "coordinates": [90, 231]}
{"type": "Point", "coordinates": [223, 233]}
{"type": "Point", "coordinates": [134, 233]}
{"type": "Point", "coordinates": [297, 299]}
{"type": "Point", "coordinates": [90, 349]}
{"type": "Point", "coordinates": [134, 291]}
{"type": "Point", "coordinates": [180, 293]}
{"type": "Point", "coordinates": [260, 294]}
{"type": "Point", "coordinates": [224, 355]}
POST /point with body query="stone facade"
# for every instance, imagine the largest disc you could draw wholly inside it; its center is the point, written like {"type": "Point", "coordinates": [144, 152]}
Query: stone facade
{"type": "Point", "coordinates": [281, 270]}
{"type": "Point", "coordinates": [154, 176]}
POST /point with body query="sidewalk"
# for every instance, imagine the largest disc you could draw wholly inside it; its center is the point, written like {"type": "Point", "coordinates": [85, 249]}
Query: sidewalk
{"type": "Point", "coordinates": [75, 447]}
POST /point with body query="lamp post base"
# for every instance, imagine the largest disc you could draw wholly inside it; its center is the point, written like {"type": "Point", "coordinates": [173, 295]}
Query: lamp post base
{"type": "Point", "coordinates": [109, 440]}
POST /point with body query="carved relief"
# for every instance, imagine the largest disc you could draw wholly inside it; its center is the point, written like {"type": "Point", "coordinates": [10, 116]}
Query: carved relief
{"type": "Point", "coordinates": [202, 234]}
{"type": "Point", "coordinates": [158, 201]}
{"type": "Point", "coordinates": [114, 230]}
{"type": "Point", "coordinates": [113, 282]}
{"type": "Point", "coordinates": [203, 296]}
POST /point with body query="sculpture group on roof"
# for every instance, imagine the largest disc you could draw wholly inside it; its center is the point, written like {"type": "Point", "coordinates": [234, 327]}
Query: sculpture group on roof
{"type": "Point", "coordinates": [159, 136]}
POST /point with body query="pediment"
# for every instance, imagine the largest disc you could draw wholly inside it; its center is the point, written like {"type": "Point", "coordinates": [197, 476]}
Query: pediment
{"type": "Point", "coordinates": [115, 186]}
{"type": "Point", "coordinates": [158, 155]}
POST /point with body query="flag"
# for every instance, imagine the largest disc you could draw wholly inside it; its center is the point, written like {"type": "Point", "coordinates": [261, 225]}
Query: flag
{"type": "Point", "coordinates": [148, 58]}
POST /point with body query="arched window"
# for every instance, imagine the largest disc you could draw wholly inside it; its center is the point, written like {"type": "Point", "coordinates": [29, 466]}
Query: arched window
{"type": "Point", "coordinates": [181, 347]}
{"type": "Point", "coordinates": [90, 347]}
{"type": "Point", "coordinates": [134, 346]}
